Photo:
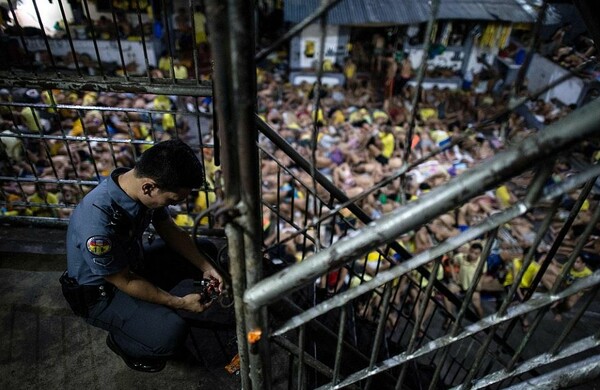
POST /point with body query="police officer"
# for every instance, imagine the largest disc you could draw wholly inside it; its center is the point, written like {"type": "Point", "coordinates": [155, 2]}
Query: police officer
{"type": "Point", "coordinates": [109, 282]}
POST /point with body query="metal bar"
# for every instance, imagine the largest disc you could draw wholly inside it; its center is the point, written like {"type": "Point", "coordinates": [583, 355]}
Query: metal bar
{"type": "Point", "coordinates": [581, 241]}
{"type": "Point", "coordinates": [380, 332]}
{"type": "Point", "coordinates": [401, 269]}
{"type": "Point", "coordinates": [69, 37]}
{"type": "Point", "coordinates": [20, 29]}
{"type": "Point", "coordinates": [541, 232]}
{"type": "Point", "coordinates": [67, 138]}
{"type": "Point", "coordinates": [533, 305]}
{"type": "Point", "coordinates": [143, 36]}
{"type": "Point", "coordinates": [533, 47]}
{"type": "Point", "coordinates": [88, 143]}
{"type": "Point", "coordinates": [560, 236]}
{"type": "Point", "coordinates": [37, 221]}
{"type": "Point", "coordinates": [567, 330]}
{"type": "Point", "coordinates": [310, 361]}
{"type": "Point", "coordinates": [467, 300]}
{"type": "Point", "coordinates": [535, 190]}
{"type": "Point", "coordinates": [573, 349]}
{"type": "Point", "coordinates": [168, 27]}
{"type": "Point", "coordinates": [118, 38]}
{"type": "Point", "coordinates": [340, 195]}
{"type": "Point", "coordinates": [340, 344]}
{"type": "Point", "coordinates": [218, 24]}
{"type": "Point", "coordinates": [63, 133]}
{"type": "Point", "coordinates": [412, 343]}
{"type": "Point", "coordinates": [94, 37]}
{"type": "Point", "coordinates": [422, 258]}
{"type": "Point", "coordinates": [587, 10]}
{"type": "Point", "coordinates": [322, 329]}
{"type": "Point", "coordinates": [90, 108]}
{"type": "Point", "coordinates": [301, 379]}
{"type": "Point", "coordinates": [45, 36]}
{"type": "Point", "coordinates": [194, 43]}
{"type": "Point", "coordinates": [243, 100]}
{"type": "Point", "coordinates": [435, 5]}
{"type": "Point", "coordinates": [315, 132]}
{"type": "Point", "coordinates": [566, 268]}
{"type": "Point", "coordinates": [532, 195]}
{"type": "Point", "coordinates": [138, 85]}
{"type": "Point", "coordinates": [297, 29]}
{"type": "Point", "coordinates": [238, 284]}
{"type": "Point", "coordinates": [581, 372]}
{"type": "Point", "coordinates": [435, 202]}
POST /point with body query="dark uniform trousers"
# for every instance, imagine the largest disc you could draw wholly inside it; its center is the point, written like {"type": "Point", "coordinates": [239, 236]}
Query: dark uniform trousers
{"type": "Point", "coordinates": [144, 329]}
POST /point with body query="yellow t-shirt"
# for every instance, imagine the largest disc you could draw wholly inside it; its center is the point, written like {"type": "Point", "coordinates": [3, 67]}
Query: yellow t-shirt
{"type": "Point", "coordinates": [466, 274]}
{"type": "Point", "coordinates": [77, 128]}
{"type": "Point", "coordinates": [424, 282]}
{"type": "Point", "coordinates": [379, 114]}
{"type": "Point", "coordinates": [356, 116]}
{"type": "Point", "coordinates": [184, 220]}
{"type": "Point", "coordinates": [42, 211]}
{"type": "Point", "coordinates": [162, 102]}
{"type": "Point", "coordinates": [199, 21]}
{"type": "Point", "coordinates": [503, 196]}
{"type": "Point", "coordinates": [202, 201]}
{"type": "Point", "coordinates": [388, 142]}
{"type": "Point", "coordinates": [428, 113]}
{"type": "Point", "coordinates": [350, 71]}
{"type": "Point", "coordinates": [164, 64]}
{"type": "Point", "coordinates": [13, 146]}
{"type": "Point", "coordinates": [579, 274]}
{"type": "Point", "coordinates": [168, 122]}
{"type": "Point", "coordinates": [181, 72]}
{"type": "Point", "coordinates": [31, 119]}
{"type": "Point", "coordinates": [319, 115]}
{"type": "Point", "coordinates": [337, 118]}
{"type": "Point", "coordinates": [528, 276]}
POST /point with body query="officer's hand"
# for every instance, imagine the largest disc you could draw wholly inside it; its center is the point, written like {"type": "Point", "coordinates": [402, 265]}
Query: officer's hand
{"type": "Point", "coordinates": [191, 302]}
{"type": "Point", "coordinates": [212, 273]}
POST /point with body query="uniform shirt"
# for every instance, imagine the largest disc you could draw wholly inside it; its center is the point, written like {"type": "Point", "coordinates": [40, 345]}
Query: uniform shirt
{"type": "Point", "coordinates": [105, 232]}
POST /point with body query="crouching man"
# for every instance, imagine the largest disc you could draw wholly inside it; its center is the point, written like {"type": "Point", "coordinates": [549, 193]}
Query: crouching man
{"type": "Point", "coordinates": [111, 282]}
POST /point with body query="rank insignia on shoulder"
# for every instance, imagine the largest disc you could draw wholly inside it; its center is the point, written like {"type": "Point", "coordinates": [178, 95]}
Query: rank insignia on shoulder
{"type": "Point", "coordinates": [98, 245]}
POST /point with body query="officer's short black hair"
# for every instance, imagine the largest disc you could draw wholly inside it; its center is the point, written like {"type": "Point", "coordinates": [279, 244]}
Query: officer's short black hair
{"type": "Point", "coordinates": [172, 164]}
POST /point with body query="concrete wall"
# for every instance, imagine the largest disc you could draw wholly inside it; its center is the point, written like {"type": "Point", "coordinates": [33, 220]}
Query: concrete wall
{"type": "Point", "coordinates": [542, 71]}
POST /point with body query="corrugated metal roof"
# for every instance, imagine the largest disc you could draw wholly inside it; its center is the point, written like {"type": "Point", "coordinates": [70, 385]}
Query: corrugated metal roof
{"type": "Point", "coordinates": [362, 12]}
{"type": "Point", "coordinates": [501, 10]}
{"type": "Point", "coordinates": [382, 12]}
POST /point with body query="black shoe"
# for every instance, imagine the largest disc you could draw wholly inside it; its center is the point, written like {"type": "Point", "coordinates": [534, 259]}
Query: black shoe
{"type": "Point", "coordinates": [138, 364]}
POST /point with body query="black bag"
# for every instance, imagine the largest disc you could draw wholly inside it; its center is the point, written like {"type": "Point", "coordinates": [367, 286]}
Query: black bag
{"type": "Point", "coordinates": [74, 294]}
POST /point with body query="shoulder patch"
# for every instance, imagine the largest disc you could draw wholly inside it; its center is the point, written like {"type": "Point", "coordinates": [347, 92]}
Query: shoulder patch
{"type": "Point", "coordinates": [98, 245]}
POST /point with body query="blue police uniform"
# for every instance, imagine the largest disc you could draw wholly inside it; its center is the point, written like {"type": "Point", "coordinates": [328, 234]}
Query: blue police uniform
{"type": "Point", "coordinates": [103, 238]}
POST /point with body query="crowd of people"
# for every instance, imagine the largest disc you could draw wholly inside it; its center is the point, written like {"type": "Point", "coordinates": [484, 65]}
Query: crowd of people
{"type": "Point", "coordinates": [113, 132]}
{"type": "Point", "coordinates": [361, 141]}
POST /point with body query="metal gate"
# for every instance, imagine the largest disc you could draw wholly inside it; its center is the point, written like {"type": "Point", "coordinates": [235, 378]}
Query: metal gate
{"type": "Point", "coordinates": [396, 325]}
